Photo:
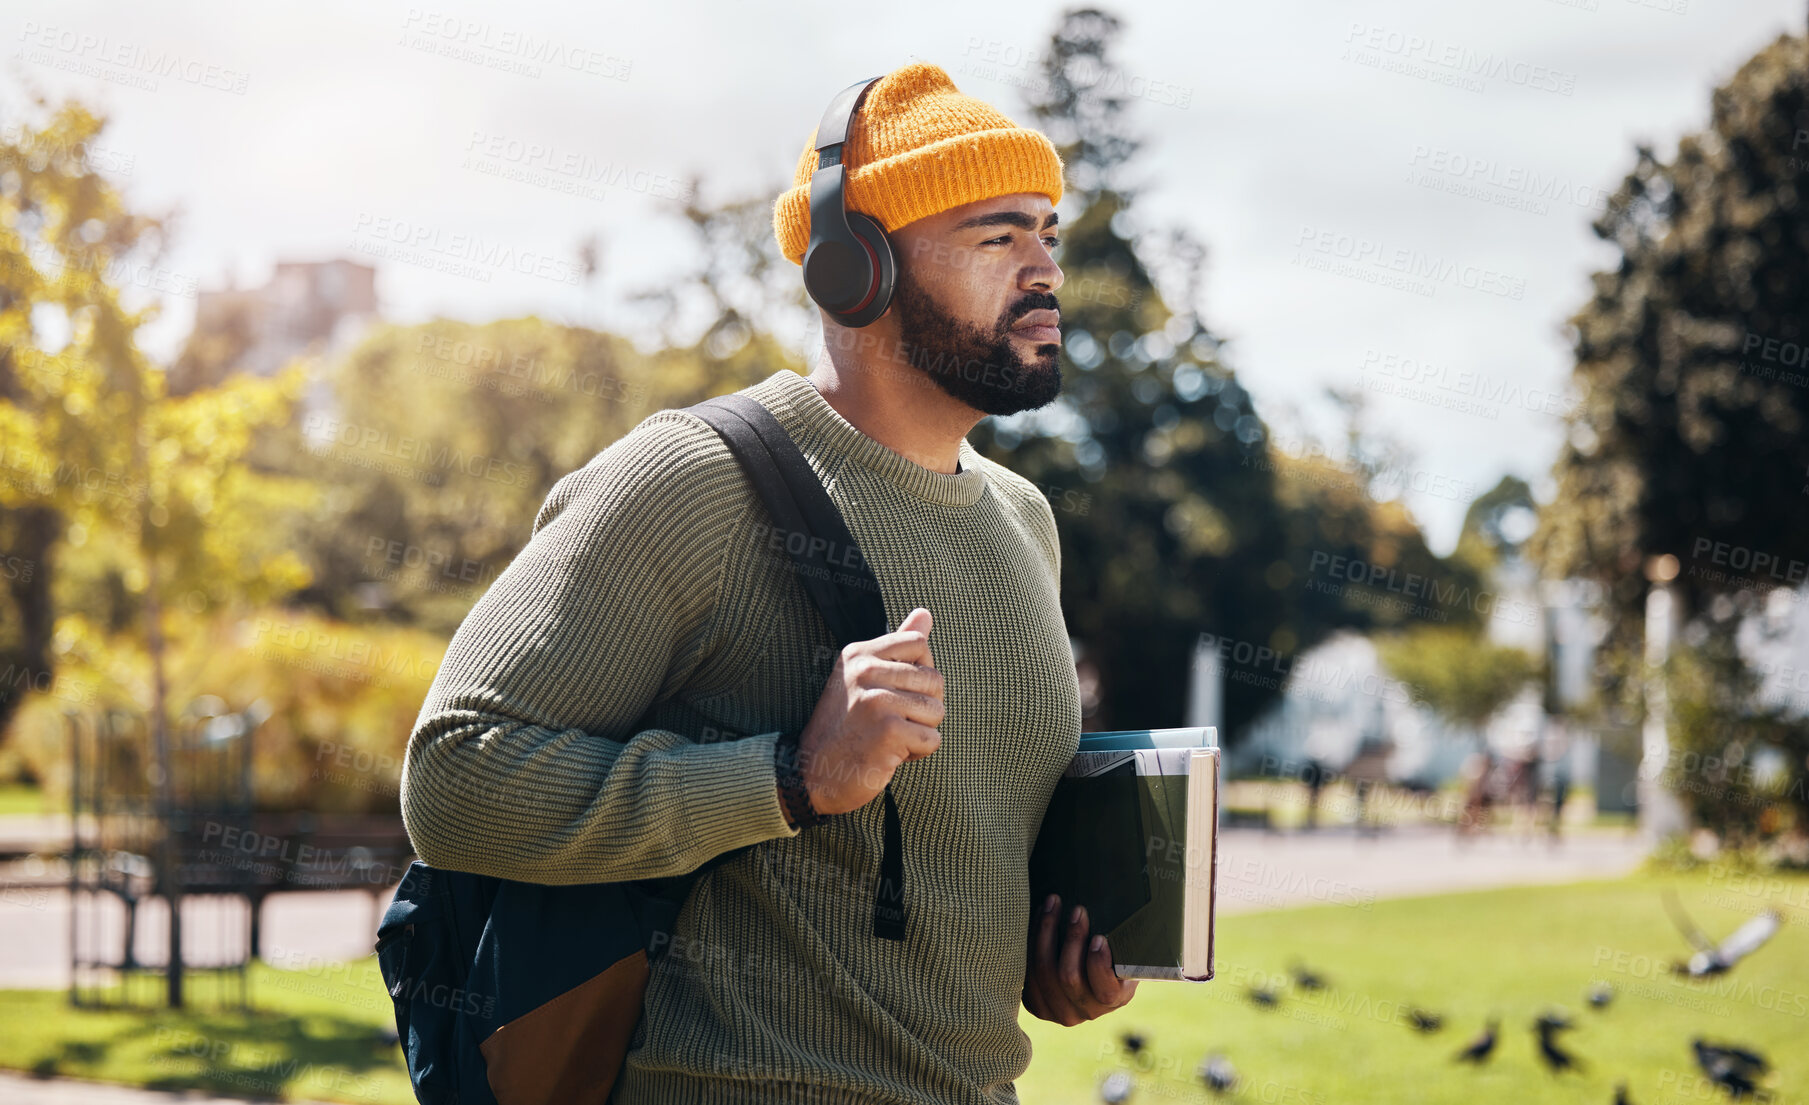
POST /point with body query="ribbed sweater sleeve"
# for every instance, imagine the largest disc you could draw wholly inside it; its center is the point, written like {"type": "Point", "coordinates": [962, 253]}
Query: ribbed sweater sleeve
{"type": "Point", "coordinates": [524, 762]}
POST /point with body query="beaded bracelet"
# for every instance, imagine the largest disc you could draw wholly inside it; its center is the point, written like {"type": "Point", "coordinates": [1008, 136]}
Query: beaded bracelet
{"type": "Point", "coordinates": [791, 782]}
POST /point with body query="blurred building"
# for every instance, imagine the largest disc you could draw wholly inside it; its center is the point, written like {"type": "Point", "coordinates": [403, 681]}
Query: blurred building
{"type": "Point", "coordinates": [306, 307]}
{"type": "Point", "coordinates": [1340, 704]}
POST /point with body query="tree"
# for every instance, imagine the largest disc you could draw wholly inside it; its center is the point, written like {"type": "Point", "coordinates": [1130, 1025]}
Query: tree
{"type": "Point", "coordinates": [152, 487]}
{"type": "Point", "coordinates": [1458, 672]}
{"type": "Point", "coordinates": [1684, 461]}
{"type": "Point", "coordinates": [1177, 514]}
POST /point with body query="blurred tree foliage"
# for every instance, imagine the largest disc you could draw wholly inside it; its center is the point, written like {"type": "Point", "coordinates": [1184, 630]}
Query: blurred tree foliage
{"type": "Point", "coordinates": [1692, 364]}
{"type": "Point", "coordinates": [125, 501]}
{"type": "Point", "coordinates": [1457, 670]}
{"type": "Point", "coordinates": [443, 439]}
{"type": "Point", "coordinates": [1685, 458]}
{"type": "Point", "coordinates": [1193, 520]}
{"type": "Point", "coordinates": [1740, 765]}
{"type": "Point", "coordinates": [340, 697]}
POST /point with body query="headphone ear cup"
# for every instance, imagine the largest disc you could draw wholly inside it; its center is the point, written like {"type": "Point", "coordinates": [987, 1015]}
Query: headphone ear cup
{"type": "Point", "coordinates": [867, 229]}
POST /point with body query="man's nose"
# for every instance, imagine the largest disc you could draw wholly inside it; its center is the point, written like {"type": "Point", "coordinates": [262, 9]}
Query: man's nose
{"type": "Point", "coordinates": [1045, 278]}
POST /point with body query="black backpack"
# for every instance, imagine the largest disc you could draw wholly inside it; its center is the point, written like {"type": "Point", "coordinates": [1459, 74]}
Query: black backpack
{"type": "Point", "coordinates": [515, 993]}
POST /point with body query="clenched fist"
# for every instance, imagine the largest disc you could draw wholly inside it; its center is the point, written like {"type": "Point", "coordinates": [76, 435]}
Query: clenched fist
{"type": "Point", "coordinates": [879, 709]}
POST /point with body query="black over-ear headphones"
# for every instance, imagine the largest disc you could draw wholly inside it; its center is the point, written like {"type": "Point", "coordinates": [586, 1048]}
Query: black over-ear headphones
{"type": "Point", "coordinates": [848, 266]}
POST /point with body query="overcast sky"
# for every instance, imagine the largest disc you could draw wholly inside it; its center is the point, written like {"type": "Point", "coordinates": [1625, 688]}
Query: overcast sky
{"type": "Point", "coordinates": [1395, 196]}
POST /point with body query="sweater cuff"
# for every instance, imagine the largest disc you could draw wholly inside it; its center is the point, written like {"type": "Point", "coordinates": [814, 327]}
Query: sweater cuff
{"type": "Point", "coordinates": [736, 789]}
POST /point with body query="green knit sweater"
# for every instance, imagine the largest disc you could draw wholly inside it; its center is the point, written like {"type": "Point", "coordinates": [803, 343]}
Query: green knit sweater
{"type": "Point", "coordinates": [608, 710]}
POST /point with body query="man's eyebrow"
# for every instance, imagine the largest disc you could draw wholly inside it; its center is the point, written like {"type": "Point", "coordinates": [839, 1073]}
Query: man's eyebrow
{"type": "Point", "coordinates": [1007, 218]}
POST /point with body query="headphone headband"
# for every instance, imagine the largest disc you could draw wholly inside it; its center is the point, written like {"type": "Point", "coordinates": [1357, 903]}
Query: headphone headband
{"type": "Point", "coordinates": [849, 269]}
{"type": "Point", "coordinates": [838, 118]}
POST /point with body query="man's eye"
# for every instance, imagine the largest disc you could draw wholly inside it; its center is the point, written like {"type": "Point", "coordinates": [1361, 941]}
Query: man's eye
{"type": "Point", "coordinates": [1053, 241]}
{"type": "Point", "coordinates": [1006, 238]}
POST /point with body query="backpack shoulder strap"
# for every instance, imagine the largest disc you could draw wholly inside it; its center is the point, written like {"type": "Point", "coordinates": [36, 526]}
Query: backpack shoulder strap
{"type": "Point", "coordinates": [806, 521]}
{"type": "Point", "coordinates": [832, 570]}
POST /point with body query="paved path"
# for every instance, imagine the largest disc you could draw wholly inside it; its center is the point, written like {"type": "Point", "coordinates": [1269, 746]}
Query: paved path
{"type": "Point", "coordinates": [1260, 870]}
{"type": "Point", "coordinates": [1257, 871]}
{"type": "Point", "coordinates": [18, 1089]}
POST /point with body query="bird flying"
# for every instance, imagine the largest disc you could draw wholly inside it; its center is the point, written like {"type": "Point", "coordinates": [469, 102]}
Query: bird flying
{"type": "Point", "coordinates": [1713, 959]}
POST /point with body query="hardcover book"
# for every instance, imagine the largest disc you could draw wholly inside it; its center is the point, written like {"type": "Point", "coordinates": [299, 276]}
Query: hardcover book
{"type": "Point", "coordinates": [1131, 833]}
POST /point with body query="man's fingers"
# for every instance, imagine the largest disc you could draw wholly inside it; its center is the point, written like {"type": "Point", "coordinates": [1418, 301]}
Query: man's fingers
{"type": "Point", "coordinates": [1034, 941]}
{"type": "Point", "coordinates": [1107, 987]}
{"type": "Point", "coordinates": [900, 676]}
{"type": "Point", "coordinates": [910, 642]}
{"type": "Point", "coordinates": [1045, 931]}
{"type": "Point", "coordinates": [1074, 988]}
{"type": "Point", "coordinates": [919, 740]}
{"type": "Point", "coordinates": [920, 708]}
{"type": "Point", "coordinates": [910, 647]}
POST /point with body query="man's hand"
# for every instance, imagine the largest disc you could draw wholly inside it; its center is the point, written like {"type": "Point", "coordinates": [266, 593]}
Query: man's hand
{"type": "Point", "coordinates": [1055, 988]}
{"type": "Point", "coordinates": [880, 709]}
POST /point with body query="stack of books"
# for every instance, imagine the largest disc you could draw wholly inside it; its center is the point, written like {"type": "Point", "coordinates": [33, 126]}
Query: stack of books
{"type": "Point", "coordinates": [1131, 833]}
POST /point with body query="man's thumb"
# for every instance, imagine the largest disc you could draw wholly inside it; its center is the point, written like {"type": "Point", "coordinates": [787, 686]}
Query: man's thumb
{"type": "Point", "coordinates": [918, 620]}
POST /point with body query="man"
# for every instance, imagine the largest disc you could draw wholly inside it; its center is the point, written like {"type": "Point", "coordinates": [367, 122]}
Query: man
{"type": "Point", "coordinates": [616, 704]}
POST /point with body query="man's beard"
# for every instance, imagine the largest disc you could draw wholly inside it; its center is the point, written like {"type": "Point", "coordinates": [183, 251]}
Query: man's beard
{"type": "Point", "coordinates": [980, 367]}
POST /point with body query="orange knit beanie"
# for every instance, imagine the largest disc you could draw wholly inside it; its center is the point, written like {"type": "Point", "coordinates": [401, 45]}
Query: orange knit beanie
{"type": "Point", "coordinates": [919, 147]}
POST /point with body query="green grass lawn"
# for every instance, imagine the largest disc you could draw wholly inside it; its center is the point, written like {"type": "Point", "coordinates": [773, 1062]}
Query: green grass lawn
{"type": "Point", "coordinates": [312, 1035]}
{"type": "Point", "coordinates": [1510, 953]}
{"type": "Point", "coordinates": [25, 798]}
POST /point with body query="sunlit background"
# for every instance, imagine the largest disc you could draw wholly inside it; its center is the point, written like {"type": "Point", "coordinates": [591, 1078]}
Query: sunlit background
{"type": "Point", "coordinates": [1434, 427]}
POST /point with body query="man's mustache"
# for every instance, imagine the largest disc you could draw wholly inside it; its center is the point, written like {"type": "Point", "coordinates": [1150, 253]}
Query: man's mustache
{"type": "Point", "coordinates": [1035, 301]}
